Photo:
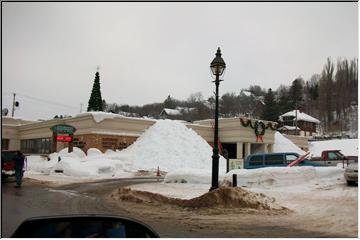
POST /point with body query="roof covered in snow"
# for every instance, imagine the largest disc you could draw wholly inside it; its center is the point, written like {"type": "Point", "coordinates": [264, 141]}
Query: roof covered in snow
{"type": "Point", "coordinates": [101, 116]}
{"type": "Point", "coordinates": [177, 111]}
{"type": "Point", "coordinates": [172, 112]}
{"type": "Point", "coordinates": [288, 128]}
{"type": "Point", "coordinates": [301, 116]}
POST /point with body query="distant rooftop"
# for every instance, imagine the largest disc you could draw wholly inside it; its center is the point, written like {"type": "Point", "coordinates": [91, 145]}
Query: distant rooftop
{"type": "Point", "coordinates": [301, 116]}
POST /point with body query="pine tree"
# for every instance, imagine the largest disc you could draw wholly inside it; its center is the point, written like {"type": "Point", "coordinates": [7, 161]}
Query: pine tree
{"type": "Point", "coordinates": [169, 103]}
{"type": "Point", "coordinates": [95, 101]}
{"type": "Point", "coordinates": [296, 93]}
{"type": "Point", "coordinates": [270, 112]}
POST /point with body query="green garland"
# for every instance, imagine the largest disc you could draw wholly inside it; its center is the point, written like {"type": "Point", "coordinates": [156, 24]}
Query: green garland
{"type": "Point", "coordinates": [269, 125]}
{"type": "Point", "coordinates": [247, 123]}
{"type": "Point", "coordinates": [259, 126]}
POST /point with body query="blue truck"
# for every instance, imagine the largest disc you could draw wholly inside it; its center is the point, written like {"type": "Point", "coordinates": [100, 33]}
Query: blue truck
{"type": "Point", "coordinates": [282, 159]}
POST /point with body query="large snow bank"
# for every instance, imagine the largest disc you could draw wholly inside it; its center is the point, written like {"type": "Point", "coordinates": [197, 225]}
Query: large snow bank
{"type": "Point", "coordinates": [77, 164]}
{"type": "Point", "coordinates": [286, 176]}
{"type": "Point", "coordinates": [283, 144]}
{"type": "Point", "coordinates": [193, 176]}
{"type": "Point", "coordinates": [93, 152]}
{"type": "Point", "coordinates": [76, 153]}
{"type": "Point", "coordinates": [347, 146]}
{"type": "Point", "coordinates": [170, 145]}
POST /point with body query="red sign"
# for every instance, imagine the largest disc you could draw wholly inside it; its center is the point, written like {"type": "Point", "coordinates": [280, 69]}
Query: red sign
{"type": "Point", "coordinates": [63, 138]}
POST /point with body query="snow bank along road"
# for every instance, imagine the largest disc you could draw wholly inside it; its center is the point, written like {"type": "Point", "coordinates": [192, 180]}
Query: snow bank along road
{"type": "Point", "coordinates": [319, 200]}
{"type": "Point", "coordinates": [19, 204]}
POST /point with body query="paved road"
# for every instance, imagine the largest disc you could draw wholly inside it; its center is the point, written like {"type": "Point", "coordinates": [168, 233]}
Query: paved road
{"type": "Point", "coordinates": [37, 200]}
{"type": "Point", "coordinates": [34, 200]}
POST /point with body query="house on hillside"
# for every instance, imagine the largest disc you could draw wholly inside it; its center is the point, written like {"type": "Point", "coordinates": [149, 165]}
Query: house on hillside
{"type": "Point", "coordinates": [176, 113]}
{"type": "Point", "coordinates": [306, 124]}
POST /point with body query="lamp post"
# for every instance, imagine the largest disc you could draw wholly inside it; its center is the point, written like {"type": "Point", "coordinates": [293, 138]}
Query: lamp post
{"type": "Point", "coordinates": [217, 67]}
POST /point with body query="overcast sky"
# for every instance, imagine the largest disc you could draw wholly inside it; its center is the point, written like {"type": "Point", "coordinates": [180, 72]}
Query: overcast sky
{"type": "Point", "coordinates": [146, 51]}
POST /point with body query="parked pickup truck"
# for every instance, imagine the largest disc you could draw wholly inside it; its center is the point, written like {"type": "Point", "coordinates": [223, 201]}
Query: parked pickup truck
{"type": "Point", "coordinates": [333, 157]}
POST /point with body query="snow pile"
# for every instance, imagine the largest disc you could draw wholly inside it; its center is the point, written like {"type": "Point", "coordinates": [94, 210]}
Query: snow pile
{"type": "Point", "coordinates": [188, 175]}
{"type": "Point", "coordinates": [283, 144]}
{"type": "Point", "coordinates": [349, 147]}
{"type": "Point", "coordinates": [170, 145]}
{"type": "Point", "coordinates": [77, 164]}
{"type": "Point", "coordinates": [93, 152]}
{"type": "Point", "coordinates": [225, 197]}
{"type": "Point", "coordinates": [39, 164]}
{"type": "Point", "coordinates": [76, 153]}
{"type": "Point", "coordinates": [286, 176]}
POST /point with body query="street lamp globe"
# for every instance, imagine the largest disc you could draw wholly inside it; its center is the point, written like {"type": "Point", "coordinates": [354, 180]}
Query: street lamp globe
{"type": "Point", "coordinates": [218, 65]}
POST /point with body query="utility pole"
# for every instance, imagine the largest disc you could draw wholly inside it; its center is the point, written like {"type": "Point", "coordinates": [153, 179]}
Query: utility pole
{"type": "Point", "coordinates": [13, 106]}
{"type": "Point", "coordinates": [296, 122]}
{"type": "Point", "coordinates": [81, 107]}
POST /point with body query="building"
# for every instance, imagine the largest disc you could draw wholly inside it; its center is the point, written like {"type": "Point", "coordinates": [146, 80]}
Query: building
{"type": "Point", "coordinates": [305, 123]}
{"type": "Point", "coordinates": [112, 131]}
{"type": "Point", "coordinates": [176, 113]}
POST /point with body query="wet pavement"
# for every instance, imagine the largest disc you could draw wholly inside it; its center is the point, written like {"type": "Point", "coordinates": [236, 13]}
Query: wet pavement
{"type": "Point", "coordinates": [34, 200]}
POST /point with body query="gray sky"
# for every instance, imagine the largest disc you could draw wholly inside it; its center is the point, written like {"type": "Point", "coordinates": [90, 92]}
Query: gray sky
{"type": "Point", "coordinates": [147, 51]}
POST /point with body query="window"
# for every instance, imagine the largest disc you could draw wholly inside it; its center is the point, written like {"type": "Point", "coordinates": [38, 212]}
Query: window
{"type": "Point", "coordinates": [290, 157]}
{"type": "Point", "coordinates": [109, 143]}
{"type": "Point", "coordinates": [335, 156]}
{"type": "Point", "coordinates": [256, 160]}
{"type": "Point", "coordinates": [40, 145]}
{"type": "Point", "coordinates": [274, 159]}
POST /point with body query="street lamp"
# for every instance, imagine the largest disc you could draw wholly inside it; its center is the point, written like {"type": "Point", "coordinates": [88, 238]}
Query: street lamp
{"type": "Point", "coordinates": [217, 67]}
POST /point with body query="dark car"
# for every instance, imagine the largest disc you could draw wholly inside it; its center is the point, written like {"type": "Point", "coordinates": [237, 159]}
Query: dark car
{"type": "Point", "coordinates": [283, 159]}
{"type": "Point", "coordinates": [7, 163]}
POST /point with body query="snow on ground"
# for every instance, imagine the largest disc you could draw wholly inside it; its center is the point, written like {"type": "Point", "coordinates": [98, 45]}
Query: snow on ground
{"type": "Point", "coordinates": [282, 144]}
{"type": "Point", "coordinates": [263, 177]}
{"type": "Point", "coordinates": [348, 147]}
{"type": "Point", "coordinates": [171, 145]}
{"type": "Point", "coordinates": [168, 144]}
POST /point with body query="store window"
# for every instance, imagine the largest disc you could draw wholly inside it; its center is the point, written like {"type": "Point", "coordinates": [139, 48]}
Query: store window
{"type": "Point", "coordinates": [40, 145]}
{"type": "Point", "coordinates": [109, 143]}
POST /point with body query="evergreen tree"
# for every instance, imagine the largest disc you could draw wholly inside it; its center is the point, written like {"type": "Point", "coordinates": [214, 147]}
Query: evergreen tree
{"type": "Point", "coordinates": [283, 99]}
{"type": "Point", "coordinates": [95, 101]}
{"type": "Point", "coordinates": [296, 93]}
{"type": "Point", "coordinates": [270, 112]}
{"type": "Point", "coordinates": [169, 103]}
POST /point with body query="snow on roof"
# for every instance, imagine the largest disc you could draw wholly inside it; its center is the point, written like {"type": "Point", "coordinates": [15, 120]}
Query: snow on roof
{"type": "Point", "coordinates": [288, 128]}
{"type": "Point", "coordinates": [246, 93]}
{"type": "Point", "coordinates": [301, 116]}
{"type": "Point", "coordinates": [101, 116]}
{"type": "Point", "coordinates": [172, 112]}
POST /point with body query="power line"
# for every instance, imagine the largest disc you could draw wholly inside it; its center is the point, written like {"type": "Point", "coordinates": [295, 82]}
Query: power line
{"type": "Point", "coordinates": [47, 101]}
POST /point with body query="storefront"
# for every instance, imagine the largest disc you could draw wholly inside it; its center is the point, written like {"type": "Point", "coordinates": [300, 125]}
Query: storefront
{"type": "Point", "coordinates": [240, 137]}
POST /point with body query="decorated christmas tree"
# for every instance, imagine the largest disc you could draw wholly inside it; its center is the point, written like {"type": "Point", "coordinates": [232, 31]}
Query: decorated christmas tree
{"type": "Point", "coordinates": [95, 101]}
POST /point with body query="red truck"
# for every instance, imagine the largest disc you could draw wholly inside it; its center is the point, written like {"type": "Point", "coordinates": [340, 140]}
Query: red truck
{"type": "Point", "coordinates": [7, 163]}
{"type": "Point", "coordinates": [333, 157]}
